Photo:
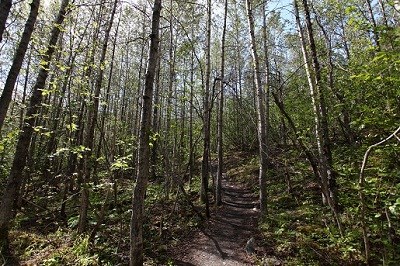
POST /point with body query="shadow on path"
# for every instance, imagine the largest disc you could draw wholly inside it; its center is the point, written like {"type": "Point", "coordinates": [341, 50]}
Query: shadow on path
{"type": "Point", "coordinates": [223, 237]}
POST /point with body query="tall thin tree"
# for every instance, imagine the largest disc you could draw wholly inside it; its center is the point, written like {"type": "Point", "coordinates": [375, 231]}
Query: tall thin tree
{"type": "Point", "coordinates": [14, 181]}
{"type": "Point", "coordinates": [262, 133]}
{"type": "Point", "coordinates": [313, 72]}
{"type": "Point", "coordinates": [6, 95]}
{"type": "Point", "coordinates": [92, 121]}
{"type": "Point", "coordinates": [5, 7]}
{"type": "Point", "coordinates": [205, 167]}
{"type": "Point", "coordinates": [143, 163]}
{"type": "Point", "coordinates": [218, 185]}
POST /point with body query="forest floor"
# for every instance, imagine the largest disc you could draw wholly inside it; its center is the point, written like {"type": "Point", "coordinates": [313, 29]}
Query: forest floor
{"type": "Point", "coordinates": [297, 231]}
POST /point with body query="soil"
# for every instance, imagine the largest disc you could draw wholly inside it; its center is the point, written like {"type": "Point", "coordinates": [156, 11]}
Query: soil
{"type": "Point", "coordinates": [222, 239]}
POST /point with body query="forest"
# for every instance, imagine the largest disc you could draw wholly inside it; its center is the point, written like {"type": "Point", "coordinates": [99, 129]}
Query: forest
{"type": "Point", "coordinates": [202, 132]}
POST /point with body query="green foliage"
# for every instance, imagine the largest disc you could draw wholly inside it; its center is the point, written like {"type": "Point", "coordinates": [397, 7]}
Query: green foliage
{"type": "Point", "coordinates": [7, 144]}
{"type": "Point", "coordinates": [58, 248]}
{"type": "Point", "coordinates": [122, 163]}
{"type": "Point", "coordinates": [374, 90]}
{"type": "Point", "coordinates": [240, 125]}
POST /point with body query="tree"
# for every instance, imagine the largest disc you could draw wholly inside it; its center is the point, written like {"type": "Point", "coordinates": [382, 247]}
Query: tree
{"type": "Point", "coordinates": [205, 167]}
{"type": "Point", "coordinates": [91, 121]}
{"type": "Point", "coordinates": [313, 71]}
{"type": "Point", "coordinates": [6, 95]}
{"type": "Point", "coordinates": [143, 164]}
{"type": "Point", "coordinates": [218, 182]}
{"type": "Point", "coordinates": [5, 7]}
{"type": "Point", "coordinates": [261, 114]}
{"type": "Point", "coordinates": [14, 180]}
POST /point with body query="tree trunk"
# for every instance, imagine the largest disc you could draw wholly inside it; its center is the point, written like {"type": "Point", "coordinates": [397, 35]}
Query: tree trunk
{"type": "Point", "coordinates": [267, 92]}
{"type": "Point", "coordinates": [262, 134]}
{"type": "Point", "coordinates": [6, 95]}
{"type": "Point", "coordinates": [168, 138]}
{"type": "Point", "coordinates": [12, 188]}
{"type": "Point", "coordinates": [313, 71]}
{"type": "Point", "coordinates": [92, 121]}
{"type": "Point", "coordinates": [374, 25]}
{"type": "Point", "coordinates": [218, 196]}
{"type": "Point", "coordinates": [191, 142]}
{"type": "Point", "coordinates": [5, 7]}
{"type": "Point", "coordinates": [206, 118]}
{"type": "Point", "coordinates": [106, 107]}
{"type": "Point", "coordinates": [143, 166]}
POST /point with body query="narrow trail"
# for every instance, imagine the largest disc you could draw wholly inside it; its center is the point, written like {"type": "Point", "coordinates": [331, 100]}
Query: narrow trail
{"type": "Point", "coordinates": [223, 238]}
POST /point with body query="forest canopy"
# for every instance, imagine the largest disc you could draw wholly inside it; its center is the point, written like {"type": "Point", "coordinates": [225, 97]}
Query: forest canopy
{"type": "Point", "coordinates": [120, 120]}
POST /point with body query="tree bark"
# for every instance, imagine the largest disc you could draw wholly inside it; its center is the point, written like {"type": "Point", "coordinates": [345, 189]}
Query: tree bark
{"type": "Point", "coordinates": [218, 193]}
{"type": "Point", "coordinates": [267, 90]}
{"type": "Point", "coordinates": [5, 7]}
{"type": "Point", "coordinates": [143, 166]}
{"type": "Point", "coordinates": [262, 134]}
{"type": "Point", "coordinates": [6, 95]}
{"type": "Point", "coordinates": [205, 167]}
{"type": "Point", "coordinates": [14, 181]}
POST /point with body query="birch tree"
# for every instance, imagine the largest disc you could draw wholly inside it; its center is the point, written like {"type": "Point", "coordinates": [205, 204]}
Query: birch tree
{"type": "Point", "coordinates": [261, 111]}
{"type": "Point", "coordinates": [313, 72]}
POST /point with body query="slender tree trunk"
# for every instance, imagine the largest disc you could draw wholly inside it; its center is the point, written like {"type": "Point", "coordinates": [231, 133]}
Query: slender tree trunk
{"type": "Point", "coordinates": [384, 15]}
{"type": "Point", "coordinates": [14, 181]}
{"type": "Point", "coordinates": [261, 113]}
{"type": "Point", "coordinates": [218, 194]}
{"type": "Point", "coordinates": [313, 71]}
{"type": "Point", "coordinates": [6, 95]}
{"type": "Point", "coordinates": [143, 166]}
{"type": "Point", "coordinates": [322, 116]}
{"type": "Point", "coordinates": [191, 142]}
{"type": "Point", "coordinates": [205, 167]}
{"type": "Point", "coordinates": [298, 139]}
{"type": "Point", "coordinates": [374, 25]}
{"type": "Point", "coordinates": [24, 92]}
{"type": "Point", "coordinates": [168, 138]}
{"type": "Point", "coordinates": [5, 7]}
{"type": "Point", "coordinates": [156, 119]}
{"type": "Point", "coordinates": [92, 121]}
{"type": "Point", "coordinates": [362, 195]}
{"type": "Point", "coordinates": [267, 92]}
{"type": "Point", "coordinates": [106, 107]}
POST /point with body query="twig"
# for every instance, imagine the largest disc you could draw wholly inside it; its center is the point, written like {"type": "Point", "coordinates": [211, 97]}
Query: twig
{"type": "Point", "coordinates": [361, 191]}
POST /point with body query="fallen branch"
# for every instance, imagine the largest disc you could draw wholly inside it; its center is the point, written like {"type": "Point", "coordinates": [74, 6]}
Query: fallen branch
{"type": "Point", "coordinates": [361, 183]}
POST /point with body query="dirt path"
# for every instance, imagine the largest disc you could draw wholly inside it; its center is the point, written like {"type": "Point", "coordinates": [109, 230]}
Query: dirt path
{"type": "Point", "coordinates": [223, 238]}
